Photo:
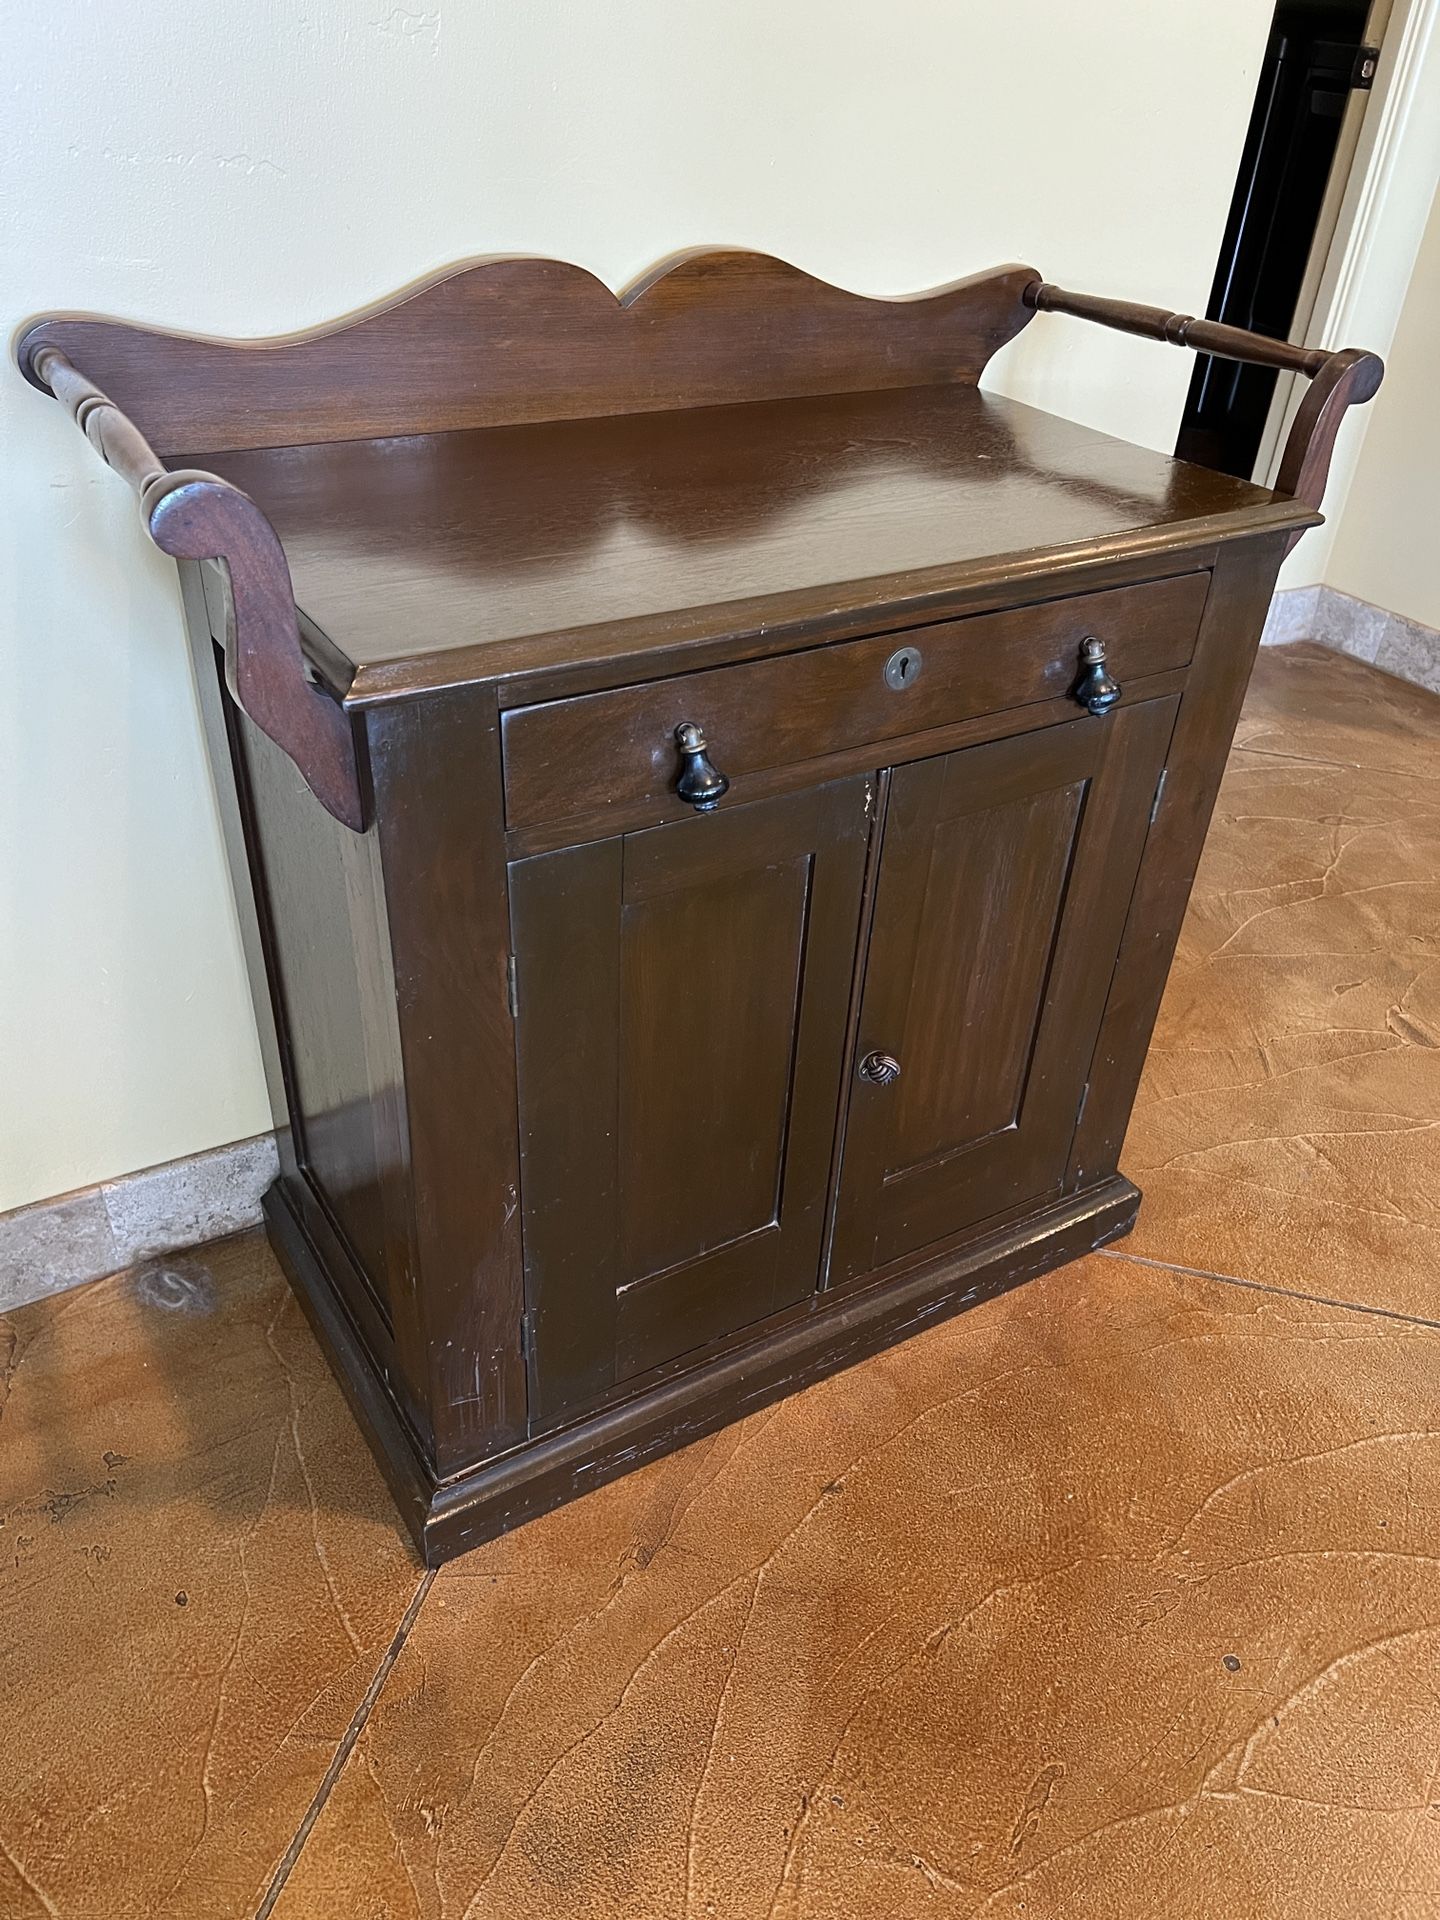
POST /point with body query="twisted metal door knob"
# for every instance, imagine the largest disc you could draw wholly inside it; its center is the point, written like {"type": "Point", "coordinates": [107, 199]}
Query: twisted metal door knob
{"type": "Point", "coordinates": [880, 1069]}
{"type": "Point", "coordinates": [702, 784]}
{"type": "Point", "coordinates": [1095, 689]}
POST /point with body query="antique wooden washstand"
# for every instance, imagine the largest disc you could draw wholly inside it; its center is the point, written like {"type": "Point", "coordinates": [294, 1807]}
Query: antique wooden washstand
{"type": "Point", "coordinates": [712, 797]}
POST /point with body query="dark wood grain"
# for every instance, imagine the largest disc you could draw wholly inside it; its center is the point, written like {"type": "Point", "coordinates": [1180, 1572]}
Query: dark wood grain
{"type": "Point", "coordinates": [1229, 635]}
{"type": "Point", "coordinates": [1347, 379]}
{"type": "Point", "coordinates": [567, 1045]}
{"type": "Point", "coordinates": [437, 781]}
{"type": "Point", "coordinates": [518, 342]}
{"type": "Point", "coordinates": [117, 440]}
{"type": "Point", "coordinates": [677, 1093]}
{"type": "Point", "coordinates": [504, 341]}
{"type": "Point", "coordinates": [329, 944]}
{"type": "Point", "coordinates": [603, 822]}
{"type": "Point", "coordinates": [1004, 880]}
{"type": "Point", "coordinates": [582, 548]}
{"type": "Point", "coordinates": [316, 944]}
{"type": "Point", "coordinates": [800, 706]}
{"type": "Point", "coordinates": [1341, 379]}
{"type": "Point", "coordinates": [242, 852]}
{"type": "Point", "coordinates": [196, 516]}
{"type": "Point", "coordinates": [1178, 329]}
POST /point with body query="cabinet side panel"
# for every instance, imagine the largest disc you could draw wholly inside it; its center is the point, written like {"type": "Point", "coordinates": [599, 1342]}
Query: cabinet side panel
{"type": "Point", "coordinates": [343, 1159]}
{"type": "Point", "coordinates": [341, 1050]}
{"type": "Point", "coordinates": [1240, 590]}
{"type": "Point", "coordinates": [207, 664]}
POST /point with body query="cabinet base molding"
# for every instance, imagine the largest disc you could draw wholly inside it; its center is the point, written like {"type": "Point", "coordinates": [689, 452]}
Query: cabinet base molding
{"type": "Point", "coordinates": [449, 1517]}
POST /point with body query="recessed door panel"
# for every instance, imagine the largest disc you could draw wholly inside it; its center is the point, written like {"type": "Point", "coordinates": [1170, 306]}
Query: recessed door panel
{"type": "Point", "coordinates": [711, 1148]}
{"type": "Point", "coordinates": [969, 1026]}
{"type": "Point", "coordinates": [680, 1031]}
{"type": "Point", "coordinates": [1005, 875]}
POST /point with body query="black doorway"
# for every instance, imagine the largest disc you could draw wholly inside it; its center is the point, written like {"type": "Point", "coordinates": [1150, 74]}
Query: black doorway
{"type": "Point", "coordinates": [1314, 59]}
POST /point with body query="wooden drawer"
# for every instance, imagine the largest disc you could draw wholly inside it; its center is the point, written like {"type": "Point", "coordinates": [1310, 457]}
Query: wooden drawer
{"type": "Point", "coordinates": [568, 759]}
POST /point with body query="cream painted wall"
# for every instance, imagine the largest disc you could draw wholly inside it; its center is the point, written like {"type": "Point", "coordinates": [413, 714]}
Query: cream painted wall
{"type": "Point", "coordinates": [249, 166]}
{"type": "Point", "coordinates": [1385, 546]}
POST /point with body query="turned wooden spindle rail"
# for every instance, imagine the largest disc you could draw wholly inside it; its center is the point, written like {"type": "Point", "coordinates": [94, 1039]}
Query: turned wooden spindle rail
{"type": "Point", "coordinates": [198, 516]}
{"type": "Point", "coordinates": [1339, 380]}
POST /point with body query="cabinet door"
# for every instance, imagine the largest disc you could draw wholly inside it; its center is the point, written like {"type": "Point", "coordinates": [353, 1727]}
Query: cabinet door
{"type": "Point", "coordinates": [681, 1007]}
{"type": "Point", "coordinates": [1005, 875]}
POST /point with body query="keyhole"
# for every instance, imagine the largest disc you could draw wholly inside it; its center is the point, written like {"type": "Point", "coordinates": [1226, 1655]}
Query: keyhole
{"type": "Point", "coordinates": [902, 669]}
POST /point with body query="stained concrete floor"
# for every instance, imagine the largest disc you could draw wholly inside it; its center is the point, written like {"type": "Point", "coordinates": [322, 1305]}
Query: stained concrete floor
{"type": "Point", "coordinates": [1118, 1596]}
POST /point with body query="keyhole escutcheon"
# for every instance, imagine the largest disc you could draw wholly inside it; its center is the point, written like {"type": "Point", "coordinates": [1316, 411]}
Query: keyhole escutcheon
{"type": "Point", "coordinates": [902, 669]}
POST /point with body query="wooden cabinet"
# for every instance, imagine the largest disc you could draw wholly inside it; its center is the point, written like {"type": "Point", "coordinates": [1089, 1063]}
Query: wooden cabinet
{"type": "Point", "coordinates": [711, 795]}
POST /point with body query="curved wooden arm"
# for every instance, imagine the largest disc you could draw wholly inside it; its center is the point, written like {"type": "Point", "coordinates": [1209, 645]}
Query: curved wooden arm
{"type": "Point", "coordinates": [198, 516]}
{"type": "Point", "coordinates": [1339, 380]}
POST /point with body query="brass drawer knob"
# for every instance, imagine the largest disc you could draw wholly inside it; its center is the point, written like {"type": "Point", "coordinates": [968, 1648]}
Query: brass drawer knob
{"type": "Point", "coordinates": [702, 784]}
{"type": "Point", "coordinates": [1095, 688]}
{"type": "Point", "coordinates": [880, 1069]}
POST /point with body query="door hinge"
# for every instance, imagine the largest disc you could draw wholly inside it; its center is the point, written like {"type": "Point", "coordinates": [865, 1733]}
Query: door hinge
{"type": "Point", "coordinates": [1159, 794]}
{"type": "Point", "coordinates": [1084, 1096]}
{"type": "Point", "coordinates": [527, 1334]}
{"type": "Point", "coordinates": [510, 978]}
{"type": "Point", "coordinates": [1362, 74]}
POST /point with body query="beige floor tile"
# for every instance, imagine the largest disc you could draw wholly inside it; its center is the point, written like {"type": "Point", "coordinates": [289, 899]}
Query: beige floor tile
{"type": "Point", "coordinates": [200, 1572]}
{"type": "Point", "coordinates": [1288, 1126]}
{"type": "Point", "coordinates": [1320, 705]}
{"type": "Point", "coordinates": [1119, 1595]}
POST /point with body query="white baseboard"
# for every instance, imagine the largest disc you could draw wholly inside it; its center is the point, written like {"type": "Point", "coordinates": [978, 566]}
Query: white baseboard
{"type": "Point", "coordinates": [1387, 640]}
{"type": "Point", "coordinates": [81, 1236]}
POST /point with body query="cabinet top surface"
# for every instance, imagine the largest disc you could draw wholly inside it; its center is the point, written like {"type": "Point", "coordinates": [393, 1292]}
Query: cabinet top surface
{"type": "Point", "coordinates": [507, 551]}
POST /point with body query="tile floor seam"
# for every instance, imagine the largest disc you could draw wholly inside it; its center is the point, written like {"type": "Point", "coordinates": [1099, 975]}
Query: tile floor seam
{"type": "Point", "coordinates": [1337, 766]}
{"type": "Point", "coordinates": [1263, 1286]}
{"type": "Point", "coordinates": [348, 1741]}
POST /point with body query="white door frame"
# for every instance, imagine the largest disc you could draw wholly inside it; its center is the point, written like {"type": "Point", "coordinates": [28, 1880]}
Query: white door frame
{"type": "Point", "coordinates": [1383, 210]}
{"type": "Point", "coordinates": [1325, 247]}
